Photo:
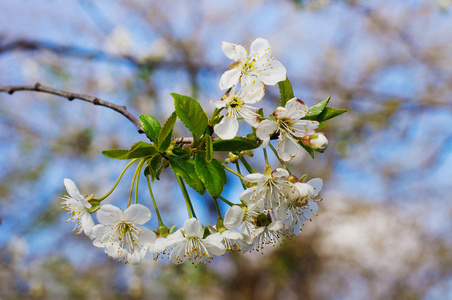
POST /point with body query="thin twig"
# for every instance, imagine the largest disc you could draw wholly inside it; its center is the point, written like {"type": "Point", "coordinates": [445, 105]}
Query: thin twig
{"type": "Point", "coordinates": [71, 96]}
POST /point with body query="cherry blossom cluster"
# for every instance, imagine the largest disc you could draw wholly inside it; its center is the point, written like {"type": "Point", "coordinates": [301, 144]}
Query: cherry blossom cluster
{"type": "Point", "coordinates": [274, 204]}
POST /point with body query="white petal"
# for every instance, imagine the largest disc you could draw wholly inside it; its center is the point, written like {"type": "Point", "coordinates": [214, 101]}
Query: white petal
{"type": "Point", "coordinates": [137, 213]}
{"type": "Point", "coordinates": [160, 245]}
{"type": "Point", "coordinates": [214, 246]}
{"type": "Point", "coordinates": [275, 226]}
{"type": "Point", "coordinates": [296, 108]}
{"type": "Point", "coordinates": [273, 74]}
{"type": "Point", "coordinates": [233, 217]}
{"type": "Point", "coordinates": [304, 189]}
{"type": "Point", "coordinates": [247, 233]}
{"type": "Point", "coordinates": [304, 127]}
{"type": "Point", "coordinates": [87, 223]}
{"type": "Point", "coordinates": [147, 237]}
{"type": "Point", "coordinates": [232, 234]}
{"type": "Point", "coordinates": [109, 214]}
{"type": "Point", "coordinates": [282, 212]}
{"type": "Point", "coordinates": [287, 147]}
{"type": "Point", "coordinates": [193, 227]}
{"type": "Point", "coordinates": [219, 103]}
{"type": "Point", "coordinates": [248, 195]}
{"type": "Point", "coordinates": [97, 232]}
{"type": "Point", "coordinates": [115, 251]}
{"type": "Point", "coordinates": [73, 191]}
{"type": "Point", "coordinates": [233, 51]}
{"type": "Point", "coordinates": [280, 173]}
{"type": "Point", "coordinates": [252, 90]}
{"type": "Point", "coordinates": [178, 254]}
{"type": "Point", "coordinates": [317, 184]}
{"type": "Point", "coordinates": [134, 258]}
{"type": "Point", "coordinates": [230, 78]}
{"type": "Point", "coordinates": [261, 47]}
{"type": "Point", "coordinates": [227, 128]}
{"type": "Point", "coordinates": [281, 113]}
{"type": "Point", "coordinates": [264, 130]}
{"type": "Point", "coordinates": [255, 177]}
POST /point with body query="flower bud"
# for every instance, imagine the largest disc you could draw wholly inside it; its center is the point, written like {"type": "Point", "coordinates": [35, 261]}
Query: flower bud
{"type": "Point", "coordinates": [233, 158]}
{"type": "Point", "coordinates": [162, 231]}
{"type": "Point", "coordinates": [318, 142]}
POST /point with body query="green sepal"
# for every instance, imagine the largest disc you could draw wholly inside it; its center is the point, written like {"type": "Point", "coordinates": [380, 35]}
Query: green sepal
{"type": "Point", "coordinates": [95, 205]}
{"type": "Point", "coordinates": [309, 150]}
{"type": "Point", "coordinates": [151, 126]}
{"type": "Point", "coordinates": [209, 148]}
{"type": "Point", "coordinates": [190, 112]}
{"type": "Point", "coordinates": [186, 169]}
{"type": "Point", "coordinates": [211, 174]}
{"type": "Point", "coordinates": [138, 150]}
{"type": "Point", "coordinates": [285, 91]}
{"type": "Point", "coordinates": [166, 133]}
{"type": "Point", "coordinates": [236, 144]}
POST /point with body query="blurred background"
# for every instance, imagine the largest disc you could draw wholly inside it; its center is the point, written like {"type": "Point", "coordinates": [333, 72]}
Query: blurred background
{"type": "Point", "coordinates": [384, 229]}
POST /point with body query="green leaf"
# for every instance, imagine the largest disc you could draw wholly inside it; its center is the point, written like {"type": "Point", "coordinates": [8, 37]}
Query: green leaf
{"type": "Point", "coordinates": [190, 112]}
{"type": "Point", "coordinates": [317, 109]}
{"type": "Point", "coordinates": [166, 132]}
{"type": "Point", "coordinates": [140, 149]}
{"type": "Point", "coordinates": [309, 150]}
{"type": "Point", "coordinates": [285, 91]}
{"type": "Point", "coordinates": [236, 144]}
{"type": "Point", "coordinates": [212, 175]}
{"type": "Point", "coordinates": [209, 148]}
{"type": "Point", "coordinates": [186, 169]}
{"type": "Point", "coordinates": [151, 126]}
{"type": "Point", "coordinates": [330, 113]}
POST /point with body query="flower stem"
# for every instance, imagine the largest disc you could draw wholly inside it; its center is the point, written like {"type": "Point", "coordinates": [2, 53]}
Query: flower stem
{"type": "Point", "coordinates": [265, 156]}
{"type": "Point", "coordinates": [277, 156]}
{"type": "Point", "coordinates": [238, 171]}
{"type": "Point", "coordinates": [225, 201]}
{"type": "Point", "coordinates": [218, 208]}
{"type": "Point", "coordinates": [191, 211]}
{"type": "Point", "coordinates": [132, 184]}
{"type": "Point", "coordinates": [247, 165]}
{"type": "Point", "coordinates": [139, 167]}
{"type": "Point", "coordinates": [154, 202]}
{"type": "Point", "coordinates": [233, 172]}
{"type": "Point", "coordinates": [117, 180]}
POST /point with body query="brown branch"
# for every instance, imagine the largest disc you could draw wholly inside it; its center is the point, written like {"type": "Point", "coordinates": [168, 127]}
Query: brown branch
{"type": "Point", "coordinates": [71, 96]}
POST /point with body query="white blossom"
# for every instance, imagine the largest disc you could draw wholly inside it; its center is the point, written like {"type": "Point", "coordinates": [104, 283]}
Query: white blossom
{"type": "Point", "coordinates": [269, 190]}
{"type": "Point", "coordinates": [288, 125]}
{"type": "Point", "coordinates": [78, 208]}
{"type": "Point", "coordinates": [243, 216]}
{"type": "Point", "coordinates": [303, 207]}
{"type": "Point", "coordinates": [120, 235]}
{"type": "Point", "coordinates": [258, 64]}
{"type": "Point", "coordinates": [237, 104]}
{"type": "Point", "coordinates": [271, 234]}
{"type": "Point", "coordinates": [188, 243]}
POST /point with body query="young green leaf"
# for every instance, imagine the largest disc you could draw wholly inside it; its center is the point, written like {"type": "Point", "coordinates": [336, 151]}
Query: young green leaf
{"type": "Point", "coordinates": [139, 149]}
{"type": "Point", "coordinates": [186, 169]}
{"type": "Point", "coordinates": [212, 175]}
{"type": "Point", "coordinates": [166, 132]}
{"type": "Point", "coordinates": [330, 113]}
{"type": "Point", "coordinates": [285, 91]}
{"type": "Point", "coordinates": [317, 109]}
{"type": "Point", "coordinates": [151, 126]}
{"type": "Point", "coordinates": [191, 114]}
{"type": "Point", "coordinates": [236, 144]}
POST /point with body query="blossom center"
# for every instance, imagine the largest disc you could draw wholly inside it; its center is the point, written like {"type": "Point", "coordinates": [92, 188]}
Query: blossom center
{"type": "Point", "coordinates": [247, 67]}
